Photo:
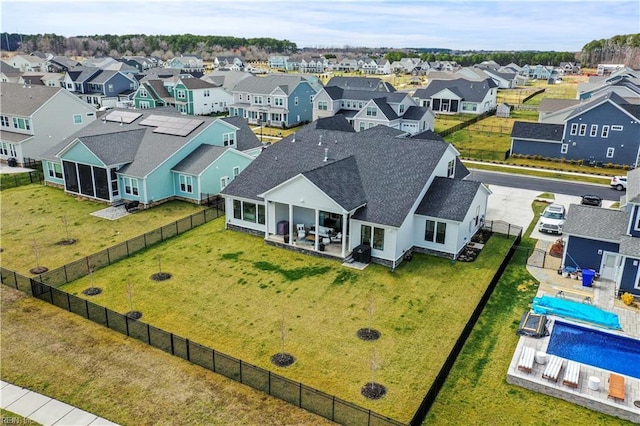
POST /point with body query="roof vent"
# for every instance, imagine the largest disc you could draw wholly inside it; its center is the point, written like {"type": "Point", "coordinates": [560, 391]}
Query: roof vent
{"type": "Point", "coordinates": [294, 137]}
{"type": "Point", "coordinates": [320, 141]}
{"type": "Point", "coordinates": [326, 154]}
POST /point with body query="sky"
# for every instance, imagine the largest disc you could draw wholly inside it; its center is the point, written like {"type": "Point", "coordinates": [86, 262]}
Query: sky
{"type": "Point", "coordinates": [560, 25]}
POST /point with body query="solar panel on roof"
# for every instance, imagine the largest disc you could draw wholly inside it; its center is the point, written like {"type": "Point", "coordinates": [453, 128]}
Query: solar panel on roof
{"type": "Point", "coordinates": [122, 116]}
{"type": "Point", "coordinates": [177, 126]}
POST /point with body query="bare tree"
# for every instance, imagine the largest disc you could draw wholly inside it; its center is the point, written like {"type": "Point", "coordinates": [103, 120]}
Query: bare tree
{"type": "Point", "coordinates": [36, 252]}
{"type": "Point", "coordinates": [130, 294]}
{"type": "Point", "coordinates": [283, 331]}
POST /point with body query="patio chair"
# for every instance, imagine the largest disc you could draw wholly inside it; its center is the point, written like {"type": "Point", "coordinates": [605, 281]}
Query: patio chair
{"type": "Point", "coordinates": [552, 371]}
{"type": "Point", "coordinates": [526, 359]}
{"type": "Point", "coordinates": [616, 387]}
{"type": "Point", "coordinates": [302, 233]}
{"type": "Point", "coordinates": [571, 374]}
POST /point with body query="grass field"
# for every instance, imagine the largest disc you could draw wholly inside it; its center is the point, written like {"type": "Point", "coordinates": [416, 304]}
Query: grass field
{"type": "Point", "coordinates": [229, 291]}
{"type": "Point", "coordinates": [32, 221]}
{"type": "Point", "coordinates": [61, 355]}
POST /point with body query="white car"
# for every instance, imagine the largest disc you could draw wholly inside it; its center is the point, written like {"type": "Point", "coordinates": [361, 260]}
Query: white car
{"type": "Point", "coordinates": [619, 182]}
{"type": "Point", "coordinates": [552, 219]}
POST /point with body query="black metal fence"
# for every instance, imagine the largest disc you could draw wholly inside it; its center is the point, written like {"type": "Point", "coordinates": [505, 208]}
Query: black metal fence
{"type": "Point", "coordinates": [467, 123]}
{"type": "Point", "coordinates": [437, 384]}
{"type": "Point", "coordinates": [502, 227]}
{"type": "Point", "coordinates": [83, 267]}
{"type": "Point", "coordinates": [299, 394]}
{"type": "Point", "coordinates": [13, 180]}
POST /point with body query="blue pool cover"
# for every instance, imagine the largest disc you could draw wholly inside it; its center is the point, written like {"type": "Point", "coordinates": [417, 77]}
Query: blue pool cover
{"type": "Point", "coordinates": [547, 305]}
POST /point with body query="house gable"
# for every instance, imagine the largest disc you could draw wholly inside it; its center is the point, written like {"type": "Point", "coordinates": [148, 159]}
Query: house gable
{"type": "Point", "coordinates": [300, 190]}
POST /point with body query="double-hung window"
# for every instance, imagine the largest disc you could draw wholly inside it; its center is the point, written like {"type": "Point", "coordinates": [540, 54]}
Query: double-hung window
{"type": "Point", "coordinates": [186, 184]}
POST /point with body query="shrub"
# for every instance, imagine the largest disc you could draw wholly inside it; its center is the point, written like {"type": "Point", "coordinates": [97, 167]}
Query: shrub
{"type": "Point", "coordinates": [627, 299]}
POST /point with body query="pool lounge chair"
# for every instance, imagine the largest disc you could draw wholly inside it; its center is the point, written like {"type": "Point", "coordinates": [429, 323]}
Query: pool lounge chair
{"type": "Point", "coordinates": [526, 359]}
{"type": "Point", "coordinates": [571, 374]}
{"type": "Point", "coordinates": [616, 387]}
{"type": "Point", "coordinates": [552, 371]}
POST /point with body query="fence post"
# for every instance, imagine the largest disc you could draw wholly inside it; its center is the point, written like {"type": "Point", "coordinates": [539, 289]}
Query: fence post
{"type": "Point", "coordinates": [173, 352]}
{"type": "Point", "coordinates": [126, 322]}
{"type": "Point", "coordinates": [240, 371]}
{"type": "Point", "coordinates": [109, 255]}
{"type": "Point", "coordinates": [106, 317]}
{"type": "Point", "coordinates": [270, 384]}
{"type": "Point", "coordinates": [148, 334]}
{"type": "Point", "coordinates": [69, 302]}
{"type": "Point", "coordinates": [176, 222]}
{"type": "Point", "coordinates": [66, 277]}
{"type": "Point", "coordinates": [213, 356]}
{"type": "Point", "coordinates": [86, 307]}
{"type": "Point", "coordinates": [127, 244]}
{"type": "Point", "coordinates": [300, 394]}
{"type": "Point", "coordinates": [161, 234]}
{"type": "Point", "coordinates": [188, 354]}
{"type": "Point", "coordinates": [145, 240]}
{"type": "Point", "coordinates": [15, 280]}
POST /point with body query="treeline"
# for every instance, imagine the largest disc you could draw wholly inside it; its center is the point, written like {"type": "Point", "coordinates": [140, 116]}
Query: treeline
{"type": "Point", "coordinates": [620, 49]}
{"type": "Point", "coordinates": [141, 44]}
{"type": "Point", "coordinates": [502, 58]}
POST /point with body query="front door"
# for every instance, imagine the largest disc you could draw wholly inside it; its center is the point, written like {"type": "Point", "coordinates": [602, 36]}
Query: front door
{"type": "Point", "coordinates": [609, 267]}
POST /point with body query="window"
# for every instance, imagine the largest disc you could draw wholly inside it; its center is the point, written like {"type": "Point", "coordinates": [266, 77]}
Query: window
{"type": "Point", "coordinates": [361, 125]}
{"type": "Point", "coordinates": [110, 87]}
{"type": "Point", "coordinates": [207, 93]}
{"type": "Point", "coordinates": [435, 231]}
{"type": "Point", "coordinates": [372, 111]}
{"type": "Point", "coordinates": [450, 168]}
{"type": "Point", "coordinates": [401, 108]}
{"type": "Point", "coordinates": [278, 101]}
{"type": "Point", "coordinates": [378, 238]}
{"type": "Point", "coordinates": [322, 105]}
{"type": "Point", "coordinates": [564, 148]}
{"type": "Point", "coordinates": [55, 169]}
{"type": "Point", "coordinates": [610, 152]}
{"type": "Point", "coordinates": [261, 215]}
{"type": "Point", "coordinates": [605, 132]}
{"type": "Point", "coordinates": [295, 101]}
{"type": "Point", "coordinates": [224, 181]}
{"type": "Point", "coordinates": [77, 118]}
{"type": "Point", "coordinates": [574, 129]}
{"type": "Point", "coordinates": [130, 186]}
{"type": "Point", "coordinates": [4, 148]}
{"type": "Point", "coordinates": [583, 129]}
{"type": "Point", "coordinates": [229, 139]}
{"type": "Point", "coordinates": [21, 123]}
{"type": "Point", "coordinates": [365, 235]}
{"type": "Point", "coordinates": [237, 209]}
{"type": "Point", "coordinates": [311, 99]}
{"type": "Point", "coordinates": [236, 171]}
{"type": "Point", "coordinates": [4, 121]}
{"type": "Point", "coordinates": [441, 232]}
{"type": "Point", "coordinates": [186, 184]}
{"type": "Point", "coordinates": [248, 212]}
{"type": "Point", "coordinates": [145, 105]}
{"type": "Point", "coordinates": [143, 93]}
{"type": "Point", "coordinates": [594, 130]}
{"type": "Point", "coordinates": [617, 127]}
{"type": "Point", "coordinates": [180, 94]}
{"type": "Point", "coordinates": [257, 100]}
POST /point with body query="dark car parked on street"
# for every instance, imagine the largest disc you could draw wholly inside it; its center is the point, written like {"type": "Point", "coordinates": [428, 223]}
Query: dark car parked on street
{"type": "Point", "coordinates": [591, 200]}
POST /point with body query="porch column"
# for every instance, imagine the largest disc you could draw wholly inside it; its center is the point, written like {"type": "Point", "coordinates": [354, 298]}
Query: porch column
{"type": "Point", "coordinates": [318, 237]}
{"type": "Point", "coordinates": [266, 219]}
{"type": "Point", "coordinates": [345, 218]}
{"type": "Point", "coordinates": [290, 223]}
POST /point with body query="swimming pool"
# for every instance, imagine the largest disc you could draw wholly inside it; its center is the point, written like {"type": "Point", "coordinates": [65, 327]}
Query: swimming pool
{"type": "Point", "coordinates": [603, 350]}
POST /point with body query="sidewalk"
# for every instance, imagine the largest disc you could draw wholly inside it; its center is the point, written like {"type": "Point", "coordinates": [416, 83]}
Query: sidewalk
{"type": "Point", "coordinates": [42, 409]}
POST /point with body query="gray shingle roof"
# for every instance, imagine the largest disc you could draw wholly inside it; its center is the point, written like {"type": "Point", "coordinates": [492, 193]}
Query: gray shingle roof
{"type": "Point", "coordinates": [17, 99]}
{"type": "Point", "coordinates": [340, 180]}
{"type": "Point", "coordinates": [630, 246]}
{"type": "Point", "coordinates": [448, 198]}
{"type": "Point", "coordinates": [595, 222]}
{"type": "Point", "coordinates": [471, 91]}
{"type": "Point", "coordinates": [633, 186]}
{"type": "Point", "coordinates": [386, 109]}
{"type": "Point", "coordinates": [103, 76]}
{"type": "Point", "coordinates": [612, 96]}
{"type": "Point", "coordinates": [115, 151]}
{"type": "Point", "coordinates": [201, 158]}
{"type": "Point", "coordinates": [266, 85]}
{"type": "Point", "coordinates": [427, 134]}
{"type": "Point", "coordinates": [415, 112]}
{"type": "Point", "coordinates": [360, 83]}
{"type": "Point", "coordinates": [392, 170]}
{"type": "Point", "coordinates": [539, 131]}
{"type": "Point", "coordinates": [196, 83]}
{"type": "Point", "coordinates": [552, 105]}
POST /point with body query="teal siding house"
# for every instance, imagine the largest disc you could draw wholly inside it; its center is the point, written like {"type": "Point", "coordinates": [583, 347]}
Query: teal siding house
{"type": "Point", "coordinates": [152, 157]}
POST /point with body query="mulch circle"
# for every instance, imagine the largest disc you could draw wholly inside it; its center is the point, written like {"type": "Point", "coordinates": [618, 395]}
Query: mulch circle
{"type": "Point", "coordinates": [66, 242]}
{"type": "Point", "coordinates": [283, 359]}
{"type": "Point", "coordinates": [38, 270]}
{"type": "Point", "coordinates": [161, 276]}
{"type": "Point", "coordinates": [368, 334]}
{"type": "Point", "coordinates": [134, 315]}
{"type": "Point", "coordinates": [92, 291]}
{"type": "Point", "coordinates": [373, 390]}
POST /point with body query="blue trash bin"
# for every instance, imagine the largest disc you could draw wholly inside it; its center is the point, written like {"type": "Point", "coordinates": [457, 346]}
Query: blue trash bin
{"type": "Point", "coordinates": [587, 277]}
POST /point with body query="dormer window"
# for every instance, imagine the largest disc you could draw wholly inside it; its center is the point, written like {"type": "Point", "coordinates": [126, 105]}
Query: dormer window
{"type": "Point", "coordinates": [229, 139]}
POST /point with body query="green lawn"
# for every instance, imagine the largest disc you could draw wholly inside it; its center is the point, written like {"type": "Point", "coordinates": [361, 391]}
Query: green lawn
{"type": "Point", "coordinates": [32, 221]}
{"type": "Point", "coordinates": [476, 391]}
{"type": "Point", "coordinates": [229, 291]}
